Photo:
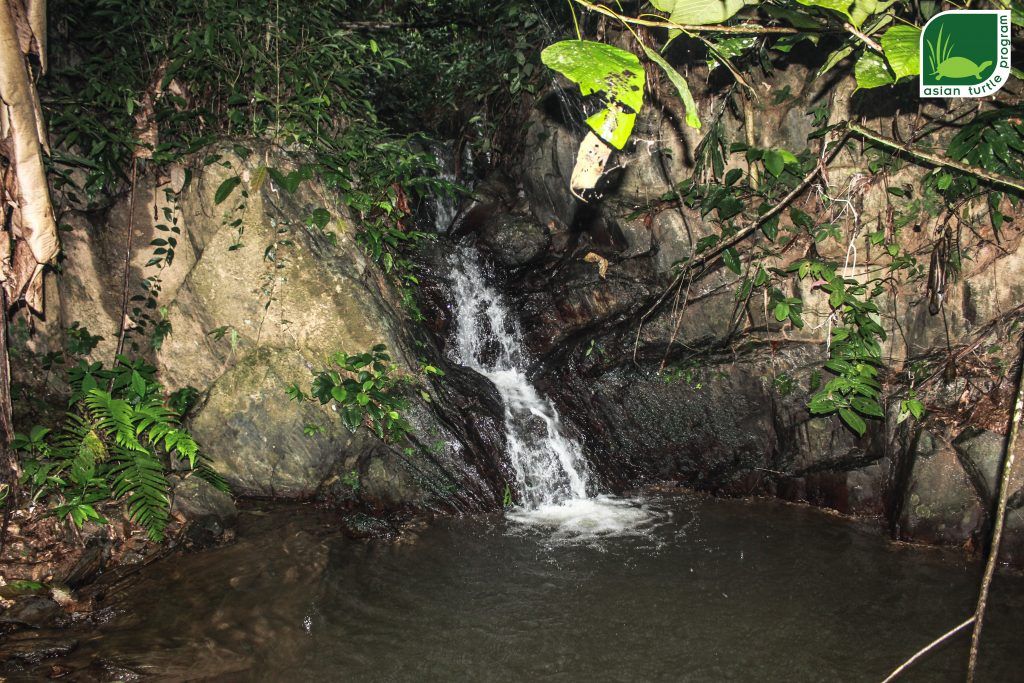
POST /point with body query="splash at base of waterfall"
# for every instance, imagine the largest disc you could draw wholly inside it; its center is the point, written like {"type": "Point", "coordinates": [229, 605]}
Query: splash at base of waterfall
{"type": "Point", "coordinates": [582, 520]}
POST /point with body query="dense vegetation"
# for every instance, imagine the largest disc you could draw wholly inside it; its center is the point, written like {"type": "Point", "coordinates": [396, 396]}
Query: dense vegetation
{"type": "Point", "coordinates": [355, 91]}
{"type": "Point", "coordinates": [973, 160]}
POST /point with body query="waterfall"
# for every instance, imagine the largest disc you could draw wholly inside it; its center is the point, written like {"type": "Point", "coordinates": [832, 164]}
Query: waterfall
{"type": "Point", "coordinates": [549, 466]}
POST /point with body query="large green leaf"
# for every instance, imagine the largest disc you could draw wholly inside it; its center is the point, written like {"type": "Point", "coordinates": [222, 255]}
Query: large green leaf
{"type": "Point", "coordinates": [840, 6]}
{"type": "Point", "coordinates": [871, 71]}
{"type": "Point", "coordinates": [692, 118]}
{"type": "Point", "coordinates": [614, 73]}
{"type": "Point", "coordinates": [700, 12]}
{"type": "Point", "coordinates": [855, 421]}
{"type": "Point", "coordinates": [902, 45]}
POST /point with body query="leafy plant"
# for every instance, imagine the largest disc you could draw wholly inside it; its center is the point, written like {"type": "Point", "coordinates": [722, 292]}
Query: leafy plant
{"type": "Point", "coordinates": [365, 389]}
{"type": "Point", "coordinates": [613, 73]}
{"type": "Point", "coordinates": [117, 442]}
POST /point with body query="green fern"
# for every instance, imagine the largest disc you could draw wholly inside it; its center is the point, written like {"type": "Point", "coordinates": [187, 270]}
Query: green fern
{"type": "Point", "coordinates": [138, 478]}
{"type": "Point", "coordinates": [114, 445]}
{"type": "Point", "coordinates": [210, 475]}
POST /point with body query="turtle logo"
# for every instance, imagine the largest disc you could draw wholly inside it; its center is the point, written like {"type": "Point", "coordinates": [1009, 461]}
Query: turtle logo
{"type": "Point", "coordinates": [965, 53]}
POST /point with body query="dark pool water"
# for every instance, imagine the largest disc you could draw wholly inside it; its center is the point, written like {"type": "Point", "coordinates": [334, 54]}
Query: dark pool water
{"type": "Point", "coordinates": [716, 590]}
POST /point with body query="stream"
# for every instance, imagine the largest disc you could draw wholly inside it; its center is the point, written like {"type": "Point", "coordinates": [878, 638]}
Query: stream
{"type": "Point", "coordinates": [713, 590]}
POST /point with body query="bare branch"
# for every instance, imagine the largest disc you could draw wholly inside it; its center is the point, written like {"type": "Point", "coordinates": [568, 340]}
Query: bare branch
{"type": "Point", "coordinates": [997, 532]}
{"type": "Point", "coordinates": [937, 159]}
{"type": "Point", "coordinates": [928, 648]}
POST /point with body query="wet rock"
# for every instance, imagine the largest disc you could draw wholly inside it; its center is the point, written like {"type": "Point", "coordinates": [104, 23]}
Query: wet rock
{"type": "Point", "coordinates": [363, 526]}
{"type": "Point", "coordinates": [34, 646]}
{"type": "Point", "coordinates": [550, 157]}
{"type": "Point", "coordinates": [981, 453]}
{"type": "Point", "coordinates": [211, 515]}
{"type": "Point", "coordinates": [514, 241]}
{"type": "Point", "coordinates": [705, 431]}
{"type": "Point", "coordinates": [32, 611]}
{"type": "Point", "coordinates": [940, 504]}
{"type": "Point", "coordinates": [854, 492]}
{"type": "Point", "coordinates": [90, 563]}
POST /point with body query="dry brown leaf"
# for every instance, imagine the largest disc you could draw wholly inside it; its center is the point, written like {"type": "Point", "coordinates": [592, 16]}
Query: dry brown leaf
{"type": "Point", "coordinates": [601, 261]}
{"type": "Point", "coordinates": [590, 164]}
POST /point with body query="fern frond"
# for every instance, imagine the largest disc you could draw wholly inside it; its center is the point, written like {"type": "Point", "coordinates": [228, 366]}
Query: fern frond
{"type": "Point", "coordinates": [204, 471]}
{"type": "Point", "coordinates": [139, 477]}
{"type": "Point", "coordinates": [113, 416]}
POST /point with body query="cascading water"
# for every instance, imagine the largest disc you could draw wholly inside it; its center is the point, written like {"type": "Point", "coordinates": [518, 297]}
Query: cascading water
{"type": "Point", "coordinates": [549, 466]}
{"type": "Point", "coordinates": [552, 477]}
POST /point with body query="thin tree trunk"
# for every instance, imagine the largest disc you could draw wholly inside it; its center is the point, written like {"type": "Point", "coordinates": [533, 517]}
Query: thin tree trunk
{"type": "Point", "coordinates": [122, 331]}
{"type": "Point", "coordinates": [8, 460]}
{"type": "Point", "coordinates": [997, 532]}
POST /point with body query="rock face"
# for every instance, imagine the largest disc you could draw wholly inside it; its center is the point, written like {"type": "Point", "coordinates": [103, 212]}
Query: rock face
{"type": "Point", "coordinates": [258, 299]}
{"type": "Point", "coordinates": [692, 384]}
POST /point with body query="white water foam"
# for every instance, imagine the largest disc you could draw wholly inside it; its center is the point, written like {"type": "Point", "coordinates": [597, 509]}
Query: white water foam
{"type": "Point", "coordinates": [553, 481]}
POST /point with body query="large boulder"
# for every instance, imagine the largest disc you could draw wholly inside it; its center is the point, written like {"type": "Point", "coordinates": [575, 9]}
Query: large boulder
{"type": "Point", "coordinates": [258, 297]}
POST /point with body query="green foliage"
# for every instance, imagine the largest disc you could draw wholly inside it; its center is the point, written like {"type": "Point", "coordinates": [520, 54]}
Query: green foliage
{"type": "Point", "coordinates": [901, 45]}
{"type": "Point", "coordinates": [341, 82]}
{"type": "Point", "coordinates": [692, 117]}
{"type": "Point", "coordinates": [366, 391]}
{"type": "Point", "coordinates": [855, 350]}
{"type": "Point", "coordinates": [351, 480]}
{"type": "Point", "coordinates": [118, 440]}
{"type": "Point", "coordinates": [880, 41]}
{"type": "Point", "coordinates": [700, 11]}
{"type": "Point", "coordinates": [613, 73]}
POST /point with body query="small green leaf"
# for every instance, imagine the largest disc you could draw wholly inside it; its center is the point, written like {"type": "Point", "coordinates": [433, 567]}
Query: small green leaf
{"type": "Point", "coordinates": [916, 408]}
{"type": "Point", "coordinates": [773, 162]}
{"type": "Point", "coordinates": [866, 406]}
{"type": "Point", "coordinates": [855, 421]}
{"type": "Point", "coordinates": [138, 384]}
{"type": "Point", "coordinates": [700, 12]}
{"type": "Point", "coordinates": [225, 189]}
{"type": "Point", "coordinates": [833, 59]}
{"type": "Point", "coordinates": [871, 71]}
{"type": "Point", "coordinates": [692, 119]}
{"type": "Point", "coordinates": [731, 257]}
{"type": "Point", "coordinates": [901, 45]}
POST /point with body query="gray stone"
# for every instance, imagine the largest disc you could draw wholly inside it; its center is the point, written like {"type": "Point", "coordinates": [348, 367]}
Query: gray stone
{"type": "Point", "coordinates": [547, 168]}
{"type": "Point", "coordinates": [981, 453]}
{"type": "Point", "coordinates": [197, 501]}
{"type": "Point", "coordinates": [940, 504]}
{"type": "Point", "coordinates": [515, 241]}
